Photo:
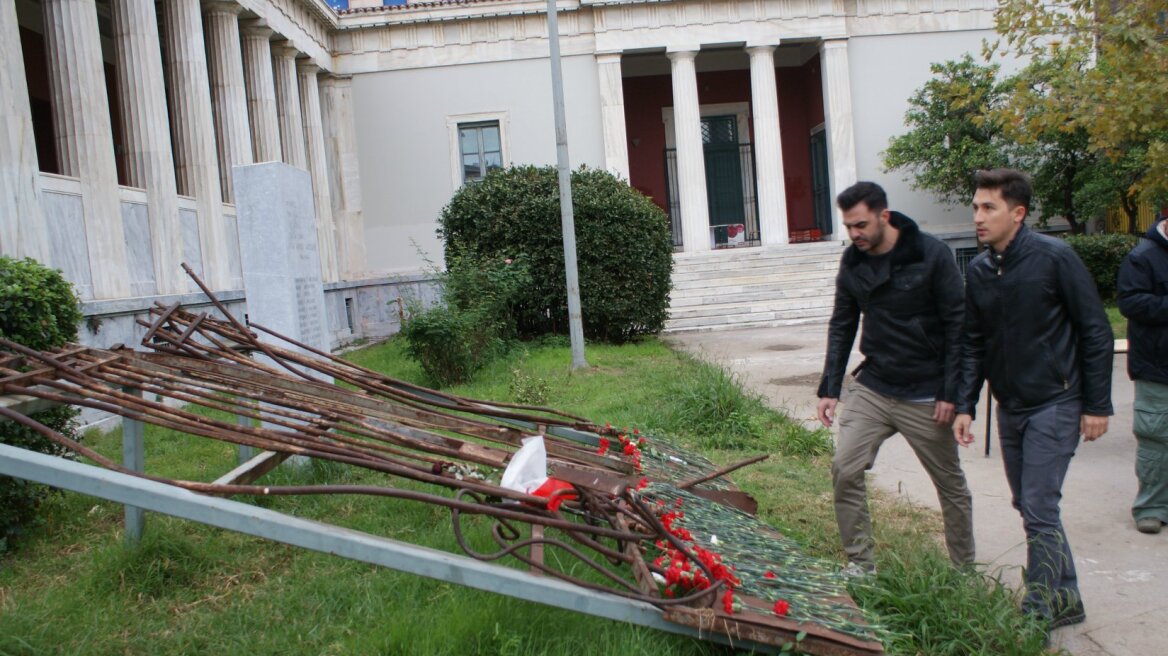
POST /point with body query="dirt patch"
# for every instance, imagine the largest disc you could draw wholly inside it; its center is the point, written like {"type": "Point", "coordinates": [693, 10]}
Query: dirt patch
{"type": "Point", "coordinates": [783, 347]}
{"type": "Point", "coordinates": [792, 381]}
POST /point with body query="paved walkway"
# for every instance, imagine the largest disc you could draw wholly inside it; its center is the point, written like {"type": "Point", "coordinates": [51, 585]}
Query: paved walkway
{"type": "Point", "coordinates": [1123, 574]}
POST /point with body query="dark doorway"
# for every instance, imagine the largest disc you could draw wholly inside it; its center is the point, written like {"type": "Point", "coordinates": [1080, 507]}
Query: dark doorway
{"type": "Point", "coordinates": [723, 169]}
{"type": "Point", "coordinates": [821, 183]}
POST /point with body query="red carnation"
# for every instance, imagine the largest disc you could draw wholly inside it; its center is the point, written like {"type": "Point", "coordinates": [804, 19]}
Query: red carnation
{"type": "Point", "coordinates": [781, 607]}
{"type": "Point", "coordinates": [728, 602]}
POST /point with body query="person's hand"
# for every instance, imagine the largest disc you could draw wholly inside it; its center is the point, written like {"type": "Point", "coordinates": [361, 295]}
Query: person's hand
{"type": "Point", "coordinates": [943, 412]}
{"type": "Point", "coordinates": [1092, 427]}
{"type": "Point", "coordinates": [827, 410]}
{"type": "Point", "coordinates": [961, 429]}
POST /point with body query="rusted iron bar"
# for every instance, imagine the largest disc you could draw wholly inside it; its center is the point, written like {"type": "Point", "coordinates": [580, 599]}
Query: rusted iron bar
{"type": "Point", "coordinates": [721, 472]}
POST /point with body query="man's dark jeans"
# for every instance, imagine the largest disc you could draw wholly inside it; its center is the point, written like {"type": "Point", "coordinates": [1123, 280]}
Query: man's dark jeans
{"type": "Point", "coordinates": [1037, 447]}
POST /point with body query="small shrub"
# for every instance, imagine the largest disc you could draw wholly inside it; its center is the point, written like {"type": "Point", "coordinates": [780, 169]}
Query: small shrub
{"type": "Point", "coordinates": [39, 310]}
{"type": "Point", "coordinates": [472, 324]}
{"type": "Point", "coordinates": [1103, 254]}
{"type": "Point", "coordinates": [449, 343]}
{"type": "Point", "coordinates": [624, 251]}
{"type": "Point", "coordinates": [529, 389]}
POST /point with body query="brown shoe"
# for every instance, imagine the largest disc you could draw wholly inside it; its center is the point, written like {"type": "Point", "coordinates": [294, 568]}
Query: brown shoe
{"type": "Point", "coordinates": [1148, 525]}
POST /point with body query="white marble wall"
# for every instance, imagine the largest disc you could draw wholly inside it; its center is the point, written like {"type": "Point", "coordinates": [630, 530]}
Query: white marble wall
{"type": "Point", "coordinates": [65, 223]}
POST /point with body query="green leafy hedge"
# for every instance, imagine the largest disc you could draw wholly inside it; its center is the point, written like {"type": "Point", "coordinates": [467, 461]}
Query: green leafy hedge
{"type": "Point", "coordinates": [37, 309]}
{"type": "Point", "coordinates": [623, 245]}
{"type": "Point", "coordinates": [1103, 253]}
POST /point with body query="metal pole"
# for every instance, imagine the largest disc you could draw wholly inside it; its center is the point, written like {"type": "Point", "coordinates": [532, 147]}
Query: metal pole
{"type": "Point", "coordinates": [567, 220]}
{"type": "Point", "coordinates": [134, 458]}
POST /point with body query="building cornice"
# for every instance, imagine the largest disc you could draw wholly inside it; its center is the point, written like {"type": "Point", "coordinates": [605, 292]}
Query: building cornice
{"type": "Point", "coordinates": [446, 10]}
{"type": "Point", "coordinates": [448, 32]}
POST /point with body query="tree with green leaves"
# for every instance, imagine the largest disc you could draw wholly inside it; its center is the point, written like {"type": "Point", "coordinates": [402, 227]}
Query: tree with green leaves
{"type": "Point", "coordinates": [1102, 66]}
{"type": "Point", "coordinates": [1071, 179]}
{"type": "Point", "coordinates": [952, 132]}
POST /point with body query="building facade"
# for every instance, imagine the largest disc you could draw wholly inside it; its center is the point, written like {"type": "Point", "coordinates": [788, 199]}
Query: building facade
{"type": "Point", "coordinates": [740, 118]}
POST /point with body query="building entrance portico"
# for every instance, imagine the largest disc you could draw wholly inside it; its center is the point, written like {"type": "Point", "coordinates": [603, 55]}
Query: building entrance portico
{"type": "Point", "coordinates": [749, 178]}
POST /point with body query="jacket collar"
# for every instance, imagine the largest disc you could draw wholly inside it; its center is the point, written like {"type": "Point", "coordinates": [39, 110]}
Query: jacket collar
{"type": "Point", "coordinates": [1016, 244]}
{"type": "Point", "coordinates": [908, 245]}
{"type": "Point", "coordinates": [1155, 235]}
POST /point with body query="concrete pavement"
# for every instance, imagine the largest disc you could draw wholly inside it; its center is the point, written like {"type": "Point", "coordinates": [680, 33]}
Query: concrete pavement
{"type": "Point", "coordinates": [1123, 574]}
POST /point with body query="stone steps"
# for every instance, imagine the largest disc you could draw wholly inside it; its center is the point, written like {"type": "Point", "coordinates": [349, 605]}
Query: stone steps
{"type": "Point", "coordinates": [747, 287]}
{"type": "Point", "coordinates": [742, 294]}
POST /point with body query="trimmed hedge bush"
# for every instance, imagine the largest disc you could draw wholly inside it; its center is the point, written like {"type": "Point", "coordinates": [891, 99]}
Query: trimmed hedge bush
{"type": "Point", "coordinates": [624, 250]}
{"type": "Point", "coordinates": [39, 310]}
{"type": "Point", "coordinates": [1103, 253]}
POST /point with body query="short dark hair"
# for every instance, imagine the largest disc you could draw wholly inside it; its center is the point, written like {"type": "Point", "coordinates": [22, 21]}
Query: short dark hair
{"type": "Point", "coordinates": [1014, 185]}
{"type": "Point", "coordinates": [868, 193]}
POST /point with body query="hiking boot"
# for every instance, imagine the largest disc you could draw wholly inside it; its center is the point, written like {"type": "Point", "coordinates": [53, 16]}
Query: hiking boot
{"type": "Point", "coordinates": [1149, 525]}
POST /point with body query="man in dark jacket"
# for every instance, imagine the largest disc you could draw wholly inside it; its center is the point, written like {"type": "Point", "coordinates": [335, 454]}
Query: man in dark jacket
{"type": "Point", "coordinates": [1143, 299]}
{"type": "Point", "coordinates": [1036, 329]}
{"type": "Point", "coordinates": [907, 287]}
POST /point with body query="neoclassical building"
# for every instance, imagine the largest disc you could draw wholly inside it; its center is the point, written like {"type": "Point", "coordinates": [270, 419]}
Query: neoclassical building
{"type": "Point", "coordinates": [740, 118]}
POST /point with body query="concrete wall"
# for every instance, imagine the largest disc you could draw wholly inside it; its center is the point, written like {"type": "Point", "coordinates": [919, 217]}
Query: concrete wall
{"type": "Point", "coordinates": [405, 150]}
{"type": "Point", "coordinates": [355, 310]}
{"type": "Point", "coordinates": [886, 71]}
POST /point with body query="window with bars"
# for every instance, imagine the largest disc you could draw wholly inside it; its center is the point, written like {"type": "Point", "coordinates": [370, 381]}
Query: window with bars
{"type": "Point", "coordinates": [964, 256]}
{"type": "Point", "coordinates": [480, 149]}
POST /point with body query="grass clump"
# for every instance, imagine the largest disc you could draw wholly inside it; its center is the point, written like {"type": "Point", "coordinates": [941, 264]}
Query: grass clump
{"type": "Point", "coordinates": [712, 403]}
{"type": "Point", "coordinates": [930, 607]}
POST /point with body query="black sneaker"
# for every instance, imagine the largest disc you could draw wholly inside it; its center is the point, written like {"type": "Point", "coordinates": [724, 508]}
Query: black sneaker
{"type": "Point", "coordinates": [1073, 614]}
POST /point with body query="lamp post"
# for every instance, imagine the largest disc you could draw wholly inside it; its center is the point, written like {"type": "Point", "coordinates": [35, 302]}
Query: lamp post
{"type": "Point", "coordinates": [567, 219]}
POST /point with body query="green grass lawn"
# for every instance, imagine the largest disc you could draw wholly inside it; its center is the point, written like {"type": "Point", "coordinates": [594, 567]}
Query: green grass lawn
{"type": "Point", "coordinates": [1118, 322]}
{"type": "Point", "coordinates": [72, 587]}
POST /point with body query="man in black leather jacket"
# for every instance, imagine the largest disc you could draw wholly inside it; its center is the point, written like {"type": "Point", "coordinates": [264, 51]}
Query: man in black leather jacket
{"type": "Point", "coordinates": [1143, 299]}
{"type": "Point", "coordinates": [907, 287]}
{"type": "Point", "coordinates": [1036, 329]}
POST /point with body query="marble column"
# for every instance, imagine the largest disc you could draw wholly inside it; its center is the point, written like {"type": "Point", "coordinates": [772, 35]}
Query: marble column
{"type": "Point", "coordinates": [149, 158]}
{"type": "Point", "coordinates": [318, 169]}
{"type": "Point", "coordinates": [768, 146]}
{"type": "Point", "coordinates": [612, 114]}
{"type": "Point", "coordinates": [691, 162]}
{"type": "Point", "coordinates": [340, 135]}
{"type": "Point", "coordinates": [193, 129]}
{"type": "Point", "coordinates": [228, 95]}
{"type": "Point", "coordinates": [261, 92]}
{"type": "Point", "coordinates": [288, 105]}
{"type": "Point", "coordinates": [837, 96]}
{"type": "Point", "coordinates": [22, 223]}
{"type": "Point", "coordinates": [84, 136]}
